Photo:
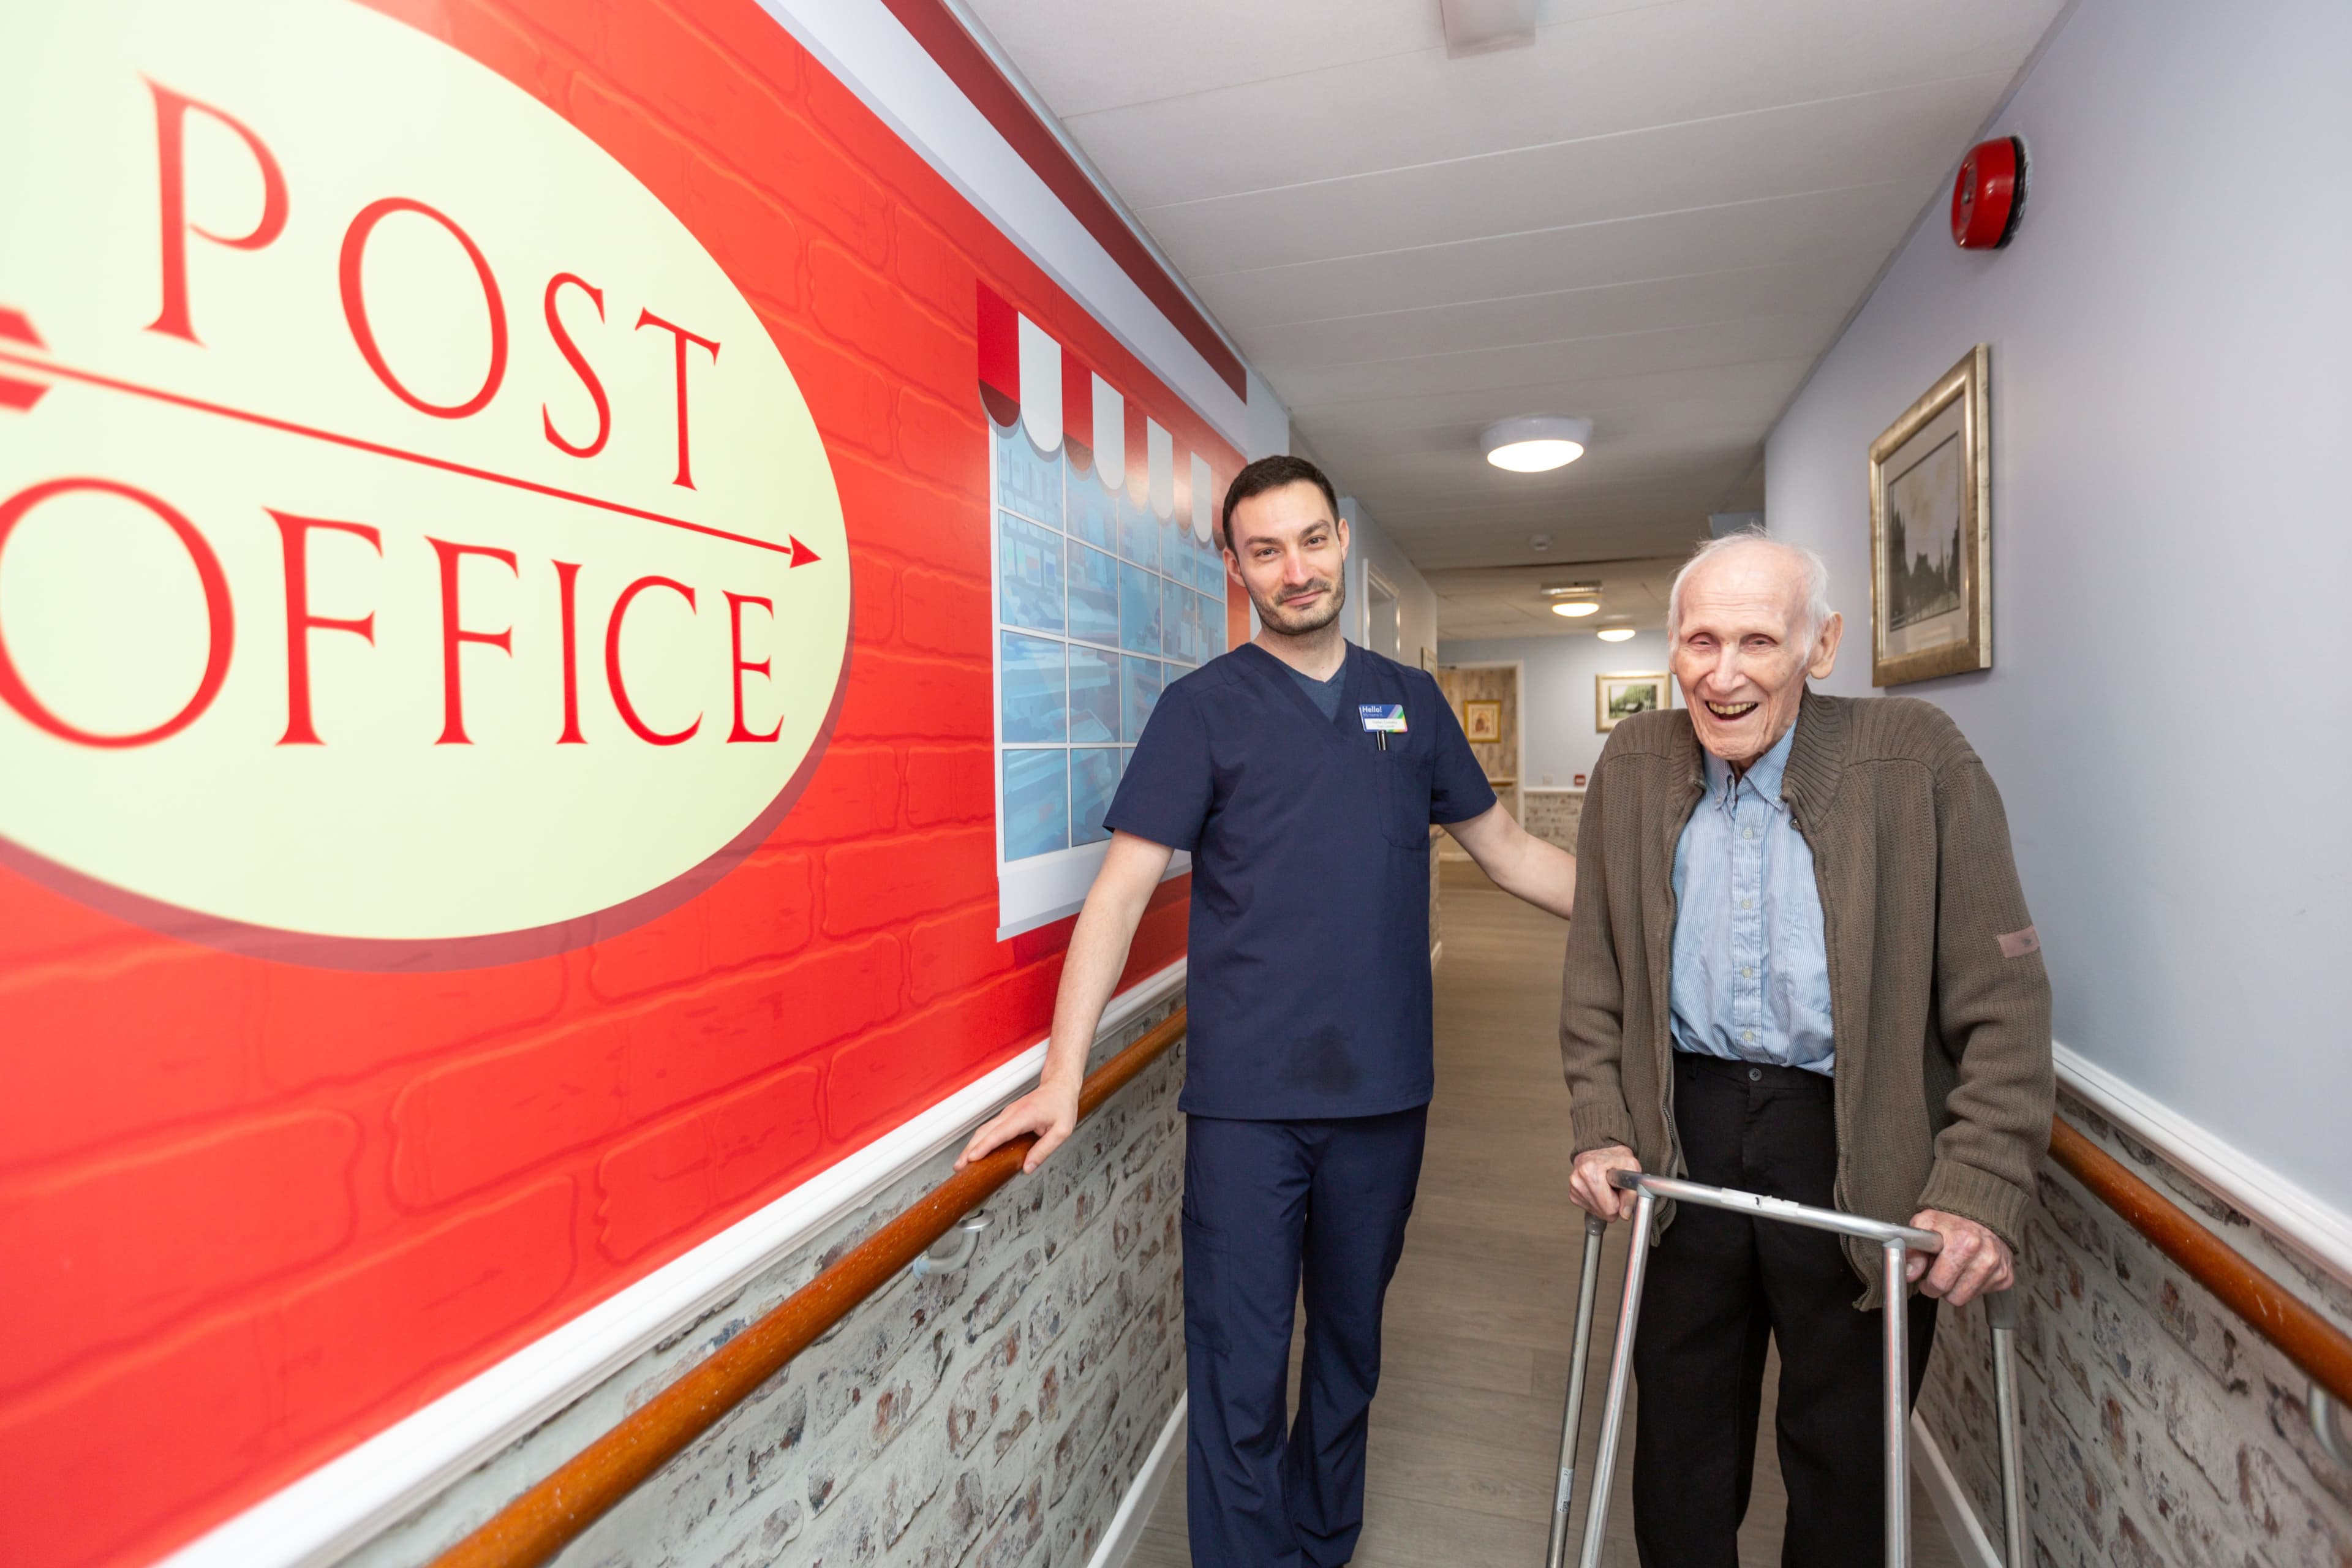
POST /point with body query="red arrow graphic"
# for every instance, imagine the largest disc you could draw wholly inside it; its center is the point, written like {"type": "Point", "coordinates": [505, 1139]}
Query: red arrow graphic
{"type": "Point", "coordinates": [19, 395]}
{"type": "Point", "coordinates": [17, 328]}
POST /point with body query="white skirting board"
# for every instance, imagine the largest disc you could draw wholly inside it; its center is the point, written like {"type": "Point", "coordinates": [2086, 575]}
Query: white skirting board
{"type": "Point", "coordinates": [351, 1498]}
{"type": "Point", "coordinates": [1127, 1526]}
{"type": "Point", "coordinates": [1952, 1505]}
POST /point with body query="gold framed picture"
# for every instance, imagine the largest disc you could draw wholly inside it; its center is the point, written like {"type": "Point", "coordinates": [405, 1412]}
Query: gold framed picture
{"type": "Point", "coordinates": [1616, 697]}
{"type": "Point", "coordinates": [1481, 717]}
{"type": "Point", "coordinates": [1931, 533]}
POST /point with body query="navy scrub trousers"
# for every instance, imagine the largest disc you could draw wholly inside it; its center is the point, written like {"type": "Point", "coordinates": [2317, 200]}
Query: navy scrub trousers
{"type": "Point", "coordinates": [1267, 1204]}
{"type": "Point", "coordinates": [1307, 1064]}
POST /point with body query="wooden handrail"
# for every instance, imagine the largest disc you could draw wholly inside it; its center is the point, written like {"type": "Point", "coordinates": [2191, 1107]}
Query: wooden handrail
{"type": "Point", "coordinates": [2318, 1347]}
{"type": "Point", "coordinates": [540, 1524]}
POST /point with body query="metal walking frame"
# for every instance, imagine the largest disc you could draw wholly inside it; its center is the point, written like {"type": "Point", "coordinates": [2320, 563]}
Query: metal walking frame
{"type": "Point", "coordinates": [1896, 1242]}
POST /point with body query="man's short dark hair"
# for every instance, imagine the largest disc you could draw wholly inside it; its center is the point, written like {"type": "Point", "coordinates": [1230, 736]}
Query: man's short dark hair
{"type": "Point", "coordinates": [1272, 474]}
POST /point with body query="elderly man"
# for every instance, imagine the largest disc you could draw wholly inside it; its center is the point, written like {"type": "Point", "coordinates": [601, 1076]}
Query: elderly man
{"type": "Point", "coordinates": [1801, 965]}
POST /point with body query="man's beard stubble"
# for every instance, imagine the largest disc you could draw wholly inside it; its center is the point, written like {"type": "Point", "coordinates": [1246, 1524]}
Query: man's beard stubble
{"type": "Point", "coordinates": [1292, 623]}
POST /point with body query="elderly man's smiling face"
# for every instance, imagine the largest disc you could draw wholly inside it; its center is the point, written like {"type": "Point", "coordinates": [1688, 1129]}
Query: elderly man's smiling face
{"type": "Point", "coordinates": [1742, 649]}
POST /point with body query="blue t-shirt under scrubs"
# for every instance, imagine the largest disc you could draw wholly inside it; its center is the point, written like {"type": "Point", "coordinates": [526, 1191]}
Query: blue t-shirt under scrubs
{"type": "Point", "coordinates": [1308, 988]}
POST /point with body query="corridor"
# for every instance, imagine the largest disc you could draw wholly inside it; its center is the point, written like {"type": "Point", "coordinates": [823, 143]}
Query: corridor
{"type": "Point", "coordinates": [733, 731]}
{"type": "Point", "coordinates": [1474, 1371]}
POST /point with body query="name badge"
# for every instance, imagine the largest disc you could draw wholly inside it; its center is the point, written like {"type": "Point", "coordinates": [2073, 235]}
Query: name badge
{"type": "Point", "coordinates": [1383, 716]}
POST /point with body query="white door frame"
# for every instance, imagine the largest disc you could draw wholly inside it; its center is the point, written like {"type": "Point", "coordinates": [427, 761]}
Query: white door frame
{"type": "Point", "coordinates": [1374, 578]}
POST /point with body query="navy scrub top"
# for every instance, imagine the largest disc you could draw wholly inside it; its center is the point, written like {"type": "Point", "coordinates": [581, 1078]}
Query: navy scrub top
{"type": "Point", "coordinates": [1308, 986]}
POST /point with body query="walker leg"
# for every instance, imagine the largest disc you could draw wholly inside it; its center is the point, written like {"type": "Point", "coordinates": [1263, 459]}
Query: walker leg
{"type": "Point", "coordinates": [1620, 1366]}
{"type": "Point", "coordinates": [1899, 1409]}
{"type": "Point", "coordinates": [2001, 1309]}
{"type": "Point", "coordinates": [1587, 1285]}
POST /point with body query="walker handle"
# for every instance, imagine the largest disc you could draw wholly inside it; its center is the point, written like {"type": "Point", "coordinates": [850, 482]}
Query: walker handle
{"type": "Point", "coordinates": [1882, 1232]}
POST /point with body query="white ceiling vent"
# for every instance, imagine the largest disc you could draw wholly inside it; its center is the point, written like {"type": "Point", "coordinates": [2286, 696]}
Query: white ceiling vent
{"type": "Point", "coordinates": [1479, 27]}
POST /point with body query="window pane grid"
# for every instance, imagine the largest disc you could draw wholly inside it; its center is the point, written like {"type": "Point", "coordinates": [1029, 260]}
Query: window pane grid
{"type": "Point", "coordinates": [1098, 605]}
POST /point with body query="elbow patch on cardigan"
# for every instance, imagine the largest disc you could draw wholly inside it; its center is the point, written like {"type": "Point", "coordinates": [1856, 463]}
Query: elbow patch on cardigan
{"type": "Point", "coordinates": [2017, 944]}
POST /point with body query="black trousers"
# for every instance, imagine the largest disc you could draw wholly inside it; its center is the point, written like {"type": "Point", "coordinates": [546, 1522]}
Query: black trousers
{"type": "Point", "coordinates": [1723, 1286]}
{"type": "Point", "coordinates": [1270, 1206]}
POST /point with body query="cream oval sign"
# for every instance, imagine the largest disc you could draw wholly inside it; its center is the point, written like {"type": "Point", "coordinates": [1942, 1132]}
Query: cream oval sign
{"type": "Point", "coordinates": [413, 551]}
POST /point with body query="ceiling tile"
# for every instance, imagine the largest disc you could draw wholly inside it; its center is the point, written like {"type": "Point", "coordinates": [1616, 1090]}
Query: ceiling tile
{"type": "Point", "coordinates": [1757, 231]}
{"type": "Point", "coordinates": [1811, 146]}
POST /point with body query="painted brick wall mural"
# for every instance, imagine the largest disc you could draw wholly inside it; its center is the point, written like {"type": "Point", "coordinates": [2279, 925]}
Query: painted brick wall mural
{"type": "Point", "coordinates": [2157, 1428]}
{"type": "Point", "coordinates": [496, 713]}
{"type": "Point", "coordinates": [992, 1415]}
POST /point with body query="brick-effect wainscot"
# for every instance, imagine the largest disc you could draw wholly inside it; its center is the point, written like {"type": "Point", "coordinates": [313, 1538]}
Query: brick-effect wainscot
{"type": "Point", "coordinates": [2159, 1428]}
{"type": "Point", "coordinates": [1553, 814]}
{"type": "Point", "coordinates": [992, 1416]}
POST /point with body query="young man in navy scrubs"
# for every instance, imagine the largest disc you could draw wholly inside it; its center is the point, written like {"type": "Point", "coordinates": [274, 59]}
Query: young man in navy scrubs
{"type": "Point", "coordinates": [1302, 774]}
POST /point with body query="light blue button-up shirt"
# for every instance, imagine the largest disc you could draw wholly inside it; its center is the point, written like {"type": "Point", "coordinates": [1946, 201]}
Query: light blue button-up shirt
{"type": "Point", "coordinates": [1751, 975]}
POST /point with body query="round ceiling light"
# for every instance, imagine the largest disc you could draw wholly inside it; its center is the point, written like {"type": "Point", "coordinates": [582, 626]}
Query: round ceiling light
{"type": "Point", "coordinates": [1535, 443]}
{"type": "Point", "coordinates": [1614, 634]}
{"type": "Point", "coordinates": [1575, 607]}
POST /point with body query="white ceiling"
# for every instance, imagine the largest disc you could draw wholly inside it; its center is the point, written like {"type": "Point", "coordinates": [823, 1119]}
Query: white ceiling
{"type": "Point", "coordinates": [1656, 216]}
{"type": "Point", "coordinates": [1477, 602]}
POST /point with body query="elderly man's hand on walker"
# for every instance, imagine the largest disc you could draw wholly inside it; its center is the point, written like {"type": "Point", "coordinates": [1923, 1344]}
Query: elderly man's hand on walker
{"type": "Point", "coordinates": [1973, 1261]}
{"type": "Point", "coordinates": [1589, 1184]}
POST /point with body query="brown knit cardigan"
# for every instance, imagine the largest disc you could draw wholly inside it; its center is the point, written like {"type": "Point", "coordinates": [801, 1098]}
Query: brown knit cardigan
{"type": "Point", "coordinates": [1939, 998]}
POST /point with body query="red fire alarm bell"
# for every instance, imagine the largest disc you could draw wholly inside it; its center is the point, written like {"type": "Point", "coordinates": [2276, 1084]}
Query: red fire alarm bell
{"type": "Point", "coordinates": [1990, 195]}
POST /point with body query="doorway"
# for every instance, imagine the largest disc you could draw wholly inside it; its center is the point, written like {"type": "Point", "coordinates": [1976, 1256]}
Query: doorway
{"type": "Point", "coordinates": [1485, 702]}
{"type": "Point", "coordinates": [1383, 616]}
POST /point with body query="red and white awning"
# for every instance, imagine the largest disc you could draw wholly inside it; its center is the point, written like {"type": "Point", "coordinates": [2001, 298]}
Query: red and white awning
{"type": "Point", "coordinates": [1027, 378]}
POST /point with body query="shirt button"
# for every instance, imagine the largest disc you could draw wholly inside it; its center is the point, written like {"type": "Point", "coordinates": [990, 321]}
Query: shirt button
{"type": "Point", "coordinates": [1746, 973]}
{"type": "Point", "coordinates": [1750, 1037]}
{"type": "Point", "coordinates": [1747, 903]}
{"type": "Point", "coordinates": [1755, 1075]}
{"type": "Point", "coordinates": [1746, 833]}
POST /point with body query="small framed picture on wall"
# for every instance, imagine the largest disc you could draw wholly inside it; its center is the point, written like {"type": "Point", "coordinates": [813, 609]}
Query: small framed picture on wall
{"type": "Point", "coordinates": [1616, 697]}
{"type": "Point", "coordinates": [1931, 533]}
{"type": "Point", "coordinates": [1481, 717]}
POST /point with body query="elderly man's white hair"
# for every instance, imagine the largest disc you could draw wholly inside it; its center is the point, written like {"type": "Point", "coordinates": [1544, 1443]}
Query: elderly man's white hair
{"type": "Point", "coordinates": [1817, 576]}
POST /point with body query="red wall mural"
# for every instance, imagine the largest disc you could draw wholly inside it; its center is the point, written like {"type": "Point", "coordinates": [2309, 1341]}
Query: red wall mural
{"type": "Point", "coordinates": [297, 1137]}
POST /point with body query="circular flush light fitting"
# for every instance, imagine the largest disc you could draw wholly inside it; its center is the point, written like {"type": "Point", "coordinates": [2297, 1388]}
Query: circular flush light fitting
{"type": "Point", "coordinates": [1576, 607]}
{"type": "Point", "coordinates": [1536, 443]}
{"type": "Point", "coordinates": [1614, 634]}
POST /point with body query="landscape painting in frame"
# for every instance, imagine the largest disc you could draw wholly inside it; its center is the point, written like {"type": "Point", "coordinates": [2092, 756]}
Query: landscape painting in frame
{"type": "Point", "coordinates": [1931, 533]}
{"type": "Point", "coordinates": [1616, 697]}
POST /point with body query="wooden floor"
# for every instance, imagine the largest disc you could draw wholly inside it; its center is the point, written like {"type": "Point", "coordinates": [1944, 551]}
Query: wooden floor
{"type": "Point", "coordinates": [1465, 1431]}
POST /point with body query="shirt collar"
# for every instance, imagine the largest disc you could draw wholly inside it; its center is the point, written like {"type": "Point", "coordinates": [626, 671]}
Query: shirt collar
{"type": "Point", "coordinates": [1764, 776]}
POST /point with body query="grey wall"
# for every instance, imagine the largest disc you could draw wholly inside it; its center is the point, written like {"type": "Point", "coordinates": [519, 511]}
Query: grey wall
{"type": "Point", "coordinates": [2172, 545]}
{"type": "Point", "coordinates": [1370, 546]}
{"type": "Point", "coordinates": [1558, 692]}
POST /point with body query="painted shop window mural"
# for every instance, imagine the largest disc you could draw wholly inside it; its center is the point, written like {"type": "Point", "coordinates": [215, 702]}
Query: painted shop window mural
{"type": "Point", "coordinates": [1109, 585]}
